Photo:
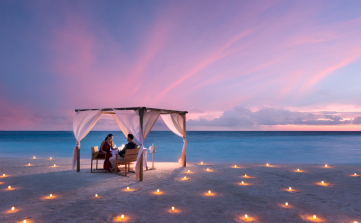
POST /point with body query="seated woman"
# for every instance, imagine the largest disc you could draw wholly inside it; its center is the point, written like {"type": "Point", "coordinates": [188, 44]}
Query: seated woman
{"type": "Point", "coordinates": [106, 147]}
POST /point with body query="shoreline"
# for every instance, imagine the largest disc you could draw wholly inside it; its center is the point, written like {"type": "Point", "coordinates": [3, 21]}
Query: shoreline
{"type": "Point", "coordinates": [262, 198]}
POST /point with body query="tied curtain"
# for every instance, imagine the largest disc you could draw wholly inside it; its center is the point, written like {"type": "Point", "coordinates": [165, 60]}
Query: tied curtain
{"type": "Point", "coordinates": [131, 120]}
{"type": "Point", "coordinates": [83, 122]}
{"type": "Point", "coordinates": [175, 122]}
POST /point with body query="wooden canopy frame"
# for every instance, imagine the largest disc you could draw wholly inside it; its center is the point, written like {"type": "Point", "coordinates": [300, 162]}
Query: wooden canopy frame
{"type": "Point", "coordinates": [142, 110]}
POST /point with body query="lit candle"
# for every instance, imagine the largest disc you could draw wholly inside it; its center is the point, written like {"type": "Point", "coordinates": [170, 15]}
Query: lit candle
{"type": "Point", "coordinates": [201, 163]}
{"type": "Point", "coordinates": [24, 221]}
{"type": "Point", "coordinates": [157, 190]}
{"type": "Point", "coordinates": [322, 182]}
{"type": "Point", "coordinates": [355, 222]}
{"type": "Point", "coordinates": [51, 158]}
{"type": "Point", "coordinates": [185, 177]}
{"type": "Point", "coordinates": [354, 174]}
{"type": "Point", "coordinates": [29, 164]}
{"type": "Point", "coordinates": [33, 157]}
{"type": "Point", "coordinates": [9, 187]}
{"type": "Point", "coordinates": [127, 188]}
{"type": "Point", "coordinates": [172, 208]}
{"type": "Point", "coordinates": [235, 165]}
{"type": "Point", "coordinates": [267, 164]}
{"type": "Point", "coordinates": [298, 170]}
{"type": "Point", "coordinates": [245, 216]}
{"type": "Point", "coordinates": [242, 182]}
{"type": "Point", "coordinates": [122, 216]}
{"type": "Point", "coordinates": [286, 204]}
{"type": "Point", "coordinates": [189, 171]}
{"type": "Point", "coordinates": [51, 195]}
{"type": "Point", "coordinates": [207, 169]}
{"type": "Point", "coordinates": [209, 192]}
{"type": "Point", "coordinates": [96, 195]}
{"type": "Point", "coordinates": [245, 175]}
{"type": "Point", "coordinates": [13, 208]}
{"type": "Point", "coordinates": [4, 175]}
{"type": "Point", "coordinates": [290, 188]}
{"type": "Point", "coordinates": [325, 166]}
{"type": "Point", "coordinates": [54, 165]}
{"type": "Point", "coordinates": [314, 217]}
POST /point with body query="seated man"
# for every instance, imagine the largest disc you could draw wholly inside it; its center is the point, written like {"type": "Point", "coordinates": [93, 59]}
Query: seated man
{"type": "Point", "coordinates": [129, 145]}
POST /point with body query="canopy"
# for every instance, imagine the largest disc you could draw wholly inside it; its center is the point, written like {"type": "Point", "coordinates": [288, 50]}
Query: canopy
{"type": "Point", "coordinates": [135, 120]}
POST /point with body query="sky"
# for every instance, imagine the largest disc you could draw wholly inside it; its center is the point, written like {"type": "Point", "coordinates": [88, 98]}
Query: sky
{"type": "Point", "coordinates": [233, 65]}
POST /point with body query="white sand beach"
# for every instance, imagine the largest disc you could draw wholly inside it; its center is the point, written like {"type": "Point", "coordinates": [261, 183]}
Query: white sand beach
{"type": "Point", "coordinates": [262, 197]}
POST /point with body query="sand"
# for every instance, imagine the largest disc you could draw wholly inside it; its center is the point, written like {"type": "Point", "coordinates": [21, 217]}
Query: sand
{"type": "Point", "coordinates": [262, 197]}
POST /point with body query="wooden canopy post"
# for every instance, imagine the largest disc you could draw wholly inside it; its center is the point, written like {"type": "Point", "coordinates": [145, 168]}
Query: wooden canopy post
{"type": "Point", "coordinates": [78, 158]}
{"type": "Point", "coordinates": [185, 149]}
{"type": "Point", "coordinates": [141, 114]}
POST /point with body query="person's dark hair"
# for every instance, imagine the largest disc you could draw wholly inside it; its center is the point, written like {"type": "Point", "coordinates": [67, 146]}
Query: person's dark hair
{"type": "Point", "coordinates": [130, 136]}
{"type": "Point", "coordinates": [110, 135]}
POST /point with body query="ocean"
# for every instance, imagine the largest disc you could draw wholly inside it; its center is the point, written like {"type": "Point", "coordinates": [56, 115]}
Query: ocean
{"type": "Point", "coordinates": [276, 147]}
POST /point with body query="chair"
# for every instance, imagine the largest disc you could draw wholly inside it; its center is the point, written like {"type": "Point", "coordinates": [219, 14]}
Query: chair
{"type": "Point", "coordinates": [129, 157]}
{"type": "Point", "coordinates": [96, 155]}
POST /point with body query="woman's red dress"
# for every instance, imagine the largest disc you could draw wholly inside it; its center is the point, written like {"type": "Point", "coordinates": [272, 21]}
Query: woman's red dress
{"type": "Point", "coordinates": [106, 148]}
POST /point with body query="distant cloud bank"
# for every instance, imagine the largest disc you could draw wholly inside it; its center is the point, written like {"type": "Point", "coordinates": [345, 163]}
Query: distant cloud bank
{"type": "Point", "coordinates": [243, 117]}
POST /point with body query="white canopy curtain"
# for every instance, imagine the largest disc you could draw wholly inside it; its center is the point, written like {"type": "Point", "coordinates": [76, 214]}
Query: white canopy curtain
{"type": "Point", "coordinates": [83, 122]}
{"type": "Point", "coordinates": [176, 123]}
{"type": "Point", "coordinates": [132, 121]}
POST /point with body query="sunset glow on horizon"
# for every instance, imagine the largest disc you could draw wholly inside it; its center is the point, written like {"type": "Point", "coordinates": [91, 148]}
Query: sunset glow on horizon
{"type": "Point", "coordinates": [234, 65]}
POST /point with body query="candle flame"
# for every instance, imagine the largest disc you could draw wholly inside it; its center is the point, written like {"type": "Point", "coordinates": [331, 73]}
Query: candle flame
{"type": "Point", "coordinates": [127, 188]}
{"type": "Point", "coordinates": [314, 217]}
{"type": "Point", "coordinates": [29, 164]}
{"type": "Point", "coordinates": [13, 208]}
{"type": "Point", "coordinates": [322, 182]}
{"type": "Point", "coordinates": [51, 195]}
{"type": "Point", "coordinates": [189, 171]}
{"type": "Point", "coordinates": [209, 192]}
{"type": "Point", "coordinates": [290, 188]}
{"type": "Point", "coordinates": [122, 216]}
{"type": "Point", "coordinates": [4, 175]}
{"type": "Point", "coordinates": [208, 169]}
{"type": "Point", "coordinates": [355, 174]}
{"type": "Point", "coordinates": [245, 175]}
{"type": "Point", "coordinates": [33, 157]}
{"type": "Point", "coordinates": [51, 158]}
{"type": "Point", "coordinates": [9, 187]}
{"type": "Point", "coordinates": [172, 208]}
{"type": "Point", "coordinates": [235, 165]}
{"type": "Point", "coordinates": [286, 203]}
{"type": "Point", "coordinates": [24, 221]}
{"type": "Point", "coordinates": [157, 190]}
{"type": "Point", "coordinates": [245, 216]}
{"type": "Point", "coordinates": [325, 165]}
{"type": "Point", "coordinates": [267, 164]}
{"type": "Point", "coordinates": [242, 182]}
{"type": "Point", "coordinates": [201, 163]}
{"type": "Point", "coordinates": [96, 195]}
{"type": "Point", "coordinates": [298, 170]}
{"type": "Point", "coordinates": [54, 165]}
